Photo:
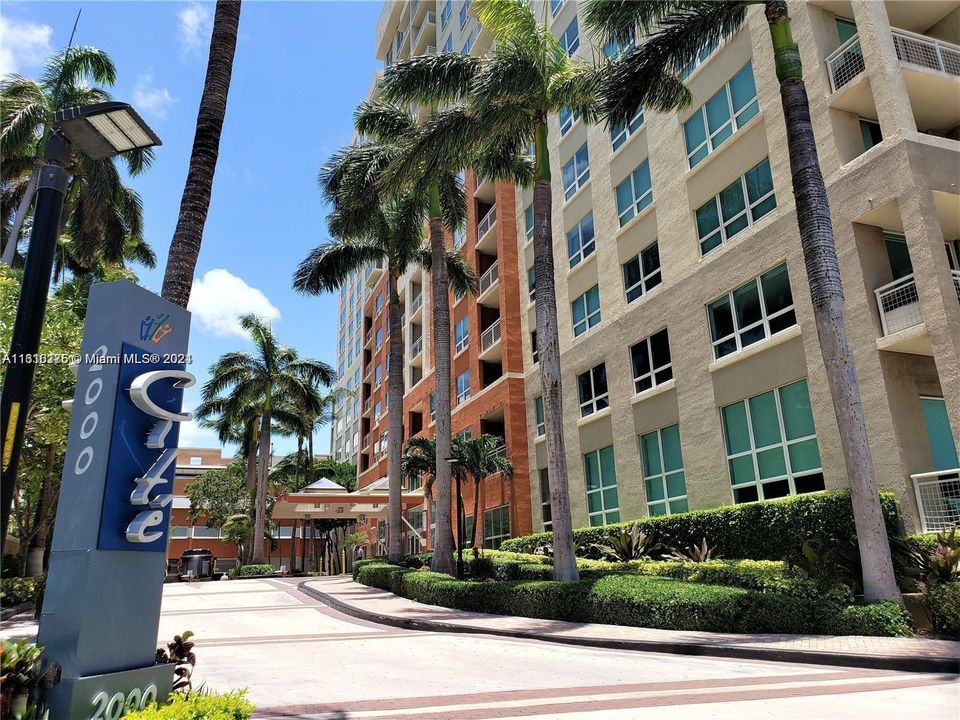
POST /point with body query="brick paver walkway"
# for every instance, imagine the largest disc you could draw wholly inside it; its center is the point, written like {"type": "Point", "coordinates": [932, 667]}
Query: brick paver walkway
{"type": "Point", "coordinates": [374, 604]}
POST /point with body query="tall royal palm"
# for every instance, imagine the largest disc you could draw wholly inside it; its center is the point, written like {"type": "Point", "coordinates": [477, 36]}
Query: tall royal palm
{"type": "Point", "coordinates": [675, 33]}
{"type": "Point", "coordinates": [102, 218]}
{"type": "Point", "coordinates": [481, 458]}
{"type": "Point", "coordinates": [185, 246]}
{"type": "Point", "coordinates": [274, 377]}
{"type": "Point", "coordinates": [506, 99]}
{"type": "Point", "coordinates": [369, 228]}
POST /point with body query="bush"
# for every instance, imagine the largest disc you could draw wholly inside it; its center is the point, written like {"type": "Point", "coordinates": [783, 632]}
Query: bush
{"type": "Point", "coordinates": [255, 570]}
{"type": "Point", "coordinates": [642, 601]}
{"type": "Point", "coordinates": [197, 706]}
{"type": "Point", "coordinates": [759, 531]}
{"type": "Point", "coordinates": [14, 591]}
{"type": "Point", "coordinates": [923, 542]}
{"type": "Point", "coordinates": [943, 602]}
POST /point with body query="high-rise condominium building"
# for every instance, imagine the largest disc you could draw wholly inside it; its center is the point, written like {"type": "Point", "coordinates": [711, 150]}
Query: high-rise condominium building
{"type": "Point", "coordinates": [692, 370]}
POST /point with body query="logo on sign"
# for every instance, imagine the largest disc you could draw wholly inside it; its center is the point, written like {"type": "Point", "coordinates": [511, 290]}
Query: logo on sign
{"type": "Point", "coordinates": [155, 327]}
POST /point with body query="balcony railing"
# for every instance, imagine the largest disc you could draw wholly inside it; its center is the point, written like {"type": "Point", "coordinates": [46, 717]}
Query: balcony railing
{"type": "Point", "coordinates": [490, 277]}
{"type": "Point", "coordinates": [416, 348]}
{"type": "Point", "coordinates": [490, 336]}
{"type": "Point", "coordinates": [845, 63]}
{"type": "Point", "coordinates": [487, 222]}
{"type": "Point", "coordinates": [416, 304]}
{"type": "Point", "coordinates": [899, 305]}
{"type": "Point", "coordinates": [938, 499]}
{"type": "Point", "coordinates": [926, 52]}
{"type": "Point", "coordinates": [956, 282]}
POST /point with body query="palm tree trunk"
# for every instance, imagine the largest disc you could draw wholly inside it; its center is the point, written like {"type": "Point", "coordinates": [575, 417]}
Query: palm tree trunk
{"type": "Point", "coordinates": [296, 484]}
{"type": "Point", "coordinates": [185, 246]}
{"type": "Point", "coordinates": [310, 472]}
{"type": "Point", "coordinates": [10, 251]}
{"type": "Point", "coordinates": [252, 436]}
{"type": "Point", "coordinates": [395, 418]}
{"type": "Point", "coordinates": [260, 506]}
{"type": "Point", "coordinates": [826, 291]}
{"type": "Point", "coordinates": [548, 345]}
{"type": "Point", "coordinates": [443, 542]}
{"type": "Point", "coordinates": [42, 517]}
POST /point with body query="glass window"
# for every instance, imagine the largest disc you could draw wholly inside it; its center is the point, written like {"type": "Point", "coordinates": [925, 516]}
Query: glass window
{"type": "Point", "coordinates": [772, 445]}
{"type": "Point", "coordinates": [846, 29]}
{"type": "Point", "coordinates": [650, 359]}
{"type": "Point", "coordinates": [465, 12]}
{"type": "Point", "coordinates": [942, 447]}
{"type": "Point", "coordinates": [545, 507]}
{"type": "Point", "coordinates": [179, 532]}
{"type": "Point", "coordinates": [538, 414]}
{"type": "Point", "coordinates": [586, 311]}
{"type": "Point", "coordinates": [576, 172]}
{"type": "Point", "coordinates": [206, 533]}
{"type": "Point", "coordinates": [555, 6]}
{"type": "Point", "coordinates": [532, 283]}
{"type": "Point", "coordinates": [752, 312]}
{"type": "Point", "coordinates": [528, 222]}
{"type": "Point", "coordinates": [445, 14]}
{"type": "Point", "coordinates": [379, 337]}
{"type": "Point", "coordinates": [568, 119]}
{"type": "Point", "coordinates": [496, 526]}
{"type": "Point", "coordinates": [461, 333]}
{"type": "Point", "coordinates": [448, 43]}
{"type": "Point", "coordinates": [580, 240]}
{"type": "Point", "coordinates": [701, 58]}
{"type": "Point", "coordinates": [641, 273]}
{"type": "Point", "coordinates": [534, 348]}
{"type": "Point", "coordinates": [377, 411]}
{"type": "Point", "coordinates": [459, 237]}
{"type": "Point", "coordinates": [613, 49]}
{"type": "Point", "coordinates": [433, 407]}
{"type": "Point", "coordinates": [870, 132]}
{"type": "Point", "coordinates": [570, 40]}
{"type": "Point", "coordinates": [377, 375]}
{"type": "Point", "coordinates": [634, 193]}
{"type": "Point", "coordinates": [600, 475]}
{"type": "Point", "coordinates": [738, 206]}
{"type": "Point", "coordinates": [619, 133]}
{"type": "Point", "coordinates": [721, 116]}
{"type": "Point", "coordinates": [663, 477]}
{"type": "Point", "coordinates": [379, 302]}
{"type": "Point", "coordinates": [898, 254]}
{"type": "Point", "coordinates": [592, 388]}
{"type": "Point", "coordinates": [463, 387]}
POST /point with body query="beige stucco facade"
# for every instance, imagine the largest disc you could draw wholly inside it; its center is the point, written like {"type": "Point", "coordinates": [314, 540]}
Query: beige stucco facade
{"type": "Point", "coordinates": [908, 183]}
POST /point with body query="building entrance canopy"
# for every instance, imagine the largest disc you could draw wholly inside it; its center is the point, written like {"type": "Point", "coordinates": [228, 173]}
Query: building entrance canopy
{"type": "Point", "coordinates": [326, 499]}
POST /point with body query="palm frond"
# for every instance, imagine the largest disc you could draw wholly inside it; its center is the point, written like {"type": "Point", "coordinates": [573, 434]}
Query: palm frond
{"type": "Point", "coordinates": [429, 79]}
{"type": "Point", "coordinates": [76, 65]}
{"type": "Point", "coordinates": [617, 20]}
{"type": "Point", "coordinates": [328, 266]}
{"type": "Point", "coordinates": [382, 121]}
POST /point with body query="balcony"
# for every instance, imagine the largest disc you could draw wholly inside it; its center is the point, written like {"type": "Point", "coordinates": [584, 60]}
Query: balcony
{"type": "Point", "coordinates": [490, 343]}
{"type": "Point", "coordinates": [901, 318]}
{"type": "Point", "coordinates": [488, 282]}
{"type": "Point", "coordinates": [366, 406]}
{"type": "Point", "coordinates": [426, 32]}
{"type": "Point", "coordinates": [487, 240]}
{"type": "Point", "coordinates": [374, 272]}
{"type": "Point", "coordinates": [938, 499]}
{"type": "Point", "coordinates": [416, 348]}
{"type": "Point", "coordinates": [956, 282]}
{"type": "Point", "coordinates": [931, 69]}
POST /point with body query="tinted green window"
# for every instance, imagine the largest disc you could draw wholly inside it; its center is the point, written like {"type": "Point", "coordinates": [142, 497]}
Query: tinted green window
{"type": "Point", "coordinates": [870, 132]}
{"type": "Point", "coordinates": [898, 254]}
{"type": "Point", "coordinates": [942, 445]}
{"type": "Point", "coordinates": [663, 477]}
{"type": "Point", "coordinates": [846, 29]}
{"type": "Point", "coordinates": [603, 505]}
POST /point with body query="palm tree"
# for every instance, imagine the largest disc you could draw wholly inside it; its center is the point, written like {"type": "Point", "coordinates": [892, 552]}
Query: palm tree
{"type": "Point", "coordinates": [506, 99]}
{"type": "Point", "coordinates": [101, 216]}
{"type": "Point", "coordinates": [185, 246]}
{"type": "Point", "coordinates": [480, 458]}
{"type": "Point", "coordinates": [676, 33]}
{"type": "Point", "coordinates": [418, 465]}
{"type": "Point", "coordinates": [370, 228]}
{"type": "Point", "coordinates": [272, 376]}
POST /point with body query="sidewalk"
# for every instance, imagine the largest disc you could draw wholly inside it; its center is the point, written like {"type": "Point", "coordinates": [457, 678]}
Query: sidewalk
{"type": "Point", "coordinates": [905, 654]}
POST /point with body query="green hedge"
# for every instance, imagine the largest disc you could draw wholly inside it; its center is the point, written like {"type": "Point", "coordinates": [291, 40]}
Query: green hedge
{"type": "Point", "coordinates": [924, 542]}
{"type": "Point", "coordinates": [14, 591]}
{"type": "Point", "coordinates": [255, 570]}
{"type": "Point", "coordinates": [641, 601]}
{"type": "Point", "coordinates": [758, 531]}
{"type": "Point", "coordinates": [943, 602]}
{"type": "Point", "coordinates": [198, 706]}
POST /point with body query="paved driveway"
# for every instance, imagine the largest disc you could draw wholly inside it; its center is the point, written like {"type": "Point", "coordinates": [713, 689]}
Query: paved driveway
{"type": "Point", "coordinates": [301, 659]}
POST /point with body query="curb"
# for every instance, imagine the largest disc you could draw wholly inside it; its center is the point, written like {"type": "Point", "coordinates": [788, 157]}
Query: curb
{"type": "Point", "coordinates": [815, 657]}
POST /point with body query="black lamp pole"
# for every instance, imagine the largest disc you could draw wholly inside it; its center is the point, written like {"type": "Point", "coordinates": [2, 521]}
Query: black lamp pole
{"type": "Point", "coordinates": [460, 520]}
{"type": "Point", "coordinates": [27, 328]}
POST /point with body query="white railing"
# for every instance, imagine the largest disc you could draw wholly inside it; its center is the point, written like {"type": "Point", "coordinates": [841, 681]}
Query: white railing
{"type": "Point", "coordinates": [490, 336]}
{"type": "Point", "coordinates": [926, 51]}
{"type": "Point", "coordinates": [845, 63]}
{"type": "Point", "coordinates": [899, 305]}
{"type": "Point", "coordinates": [488, 221]}
{"type": "Point", "coordinates": [416, 348]}
{"type": "Point", "coordinates": [416, 304]}
{"type": "Point", "coordinates": [956, 281]}
{"type": "Point", "coordinates": [938, 499]}
{"type": "Point", "coordinates": [490, 277]}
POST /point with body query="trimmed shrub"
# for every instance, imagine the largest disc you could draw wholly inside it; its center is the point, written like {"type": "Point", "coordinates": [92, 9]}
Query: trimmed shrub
{"type": "Point", "coordinates": [923, 542]}
{"type": "Point", "coordinates": [255, 570]}
{"type": "Point", "coordinates": [765, 530]}
{"type": "Point", "coordinates": [198, 706]}
{"type": "Point", "coordinates": [943, 602]}
{"type": "Point", "coordinates": [642, 601]}
{"type": "Point", "coordinates": [14, 591]}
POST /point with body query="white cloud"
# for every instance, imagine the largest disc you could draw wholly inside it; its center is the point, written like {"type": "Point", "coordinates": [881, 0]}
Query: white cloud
{"type": "Point", "coordinates": [22, 44]}
{"type": "Point", "coordinates": [196, 24]}
{"type": "Point", "coordinates": [219, 298]}
{"type": "Point", "coordinates": [192, 435]}
{"type": "Point", "coordinates": [150, 99]}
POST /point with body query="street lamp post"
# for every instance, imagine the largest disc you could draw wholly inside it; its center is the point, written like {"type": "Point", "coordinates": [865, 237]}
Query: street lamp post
{"type": "Point", "coordinates": [460, 519]}
{"type": "Point", "coordinates": [100, 131]}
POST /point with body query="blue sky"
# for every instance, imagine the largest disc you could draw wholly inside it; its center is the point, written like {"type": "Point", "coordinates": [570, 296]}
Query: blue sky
{"type": "Point", "coordinates": [300, 70]}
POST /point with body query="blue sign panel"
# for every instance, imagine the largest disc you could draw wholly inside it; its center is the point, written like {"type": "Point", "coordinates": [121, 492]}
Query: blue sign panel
{"type": "Point", "coordinates": [137, 458]}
